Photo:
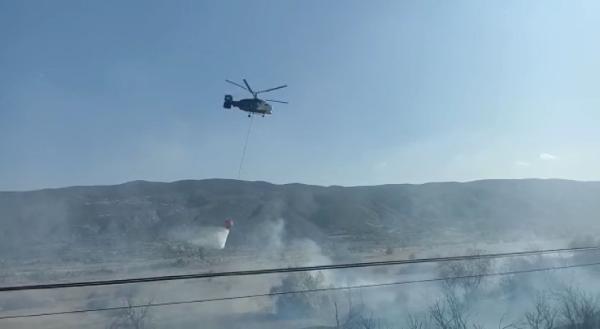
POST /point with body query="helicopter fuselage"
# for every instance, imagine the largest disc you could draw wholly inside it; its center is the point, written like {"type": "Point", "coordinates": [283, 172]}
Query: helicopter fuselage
{"type": "Point", "coordinates": [251, 105]}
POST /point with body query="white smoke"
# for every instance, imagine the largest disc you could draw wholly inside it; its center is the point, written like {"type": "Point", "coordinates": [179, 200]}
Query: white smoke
{"type": "Point", "coordinates": [270, 236]}
{"type": "Point", "coordinates": [211, 237]}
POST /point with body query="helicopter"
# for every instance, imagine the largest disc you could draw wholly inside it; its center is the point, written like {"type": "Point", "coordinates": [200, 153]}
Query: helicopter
{"type": "Point", "coordinates": [252, 105]}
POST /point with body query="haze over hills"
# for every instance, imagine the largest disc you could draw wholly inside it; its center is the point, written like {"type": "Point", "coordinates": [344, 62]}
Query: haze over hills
{"type": "Point", "coordinates": [402, 214]}
{"type": "Point", "coordinates": [141, 229]}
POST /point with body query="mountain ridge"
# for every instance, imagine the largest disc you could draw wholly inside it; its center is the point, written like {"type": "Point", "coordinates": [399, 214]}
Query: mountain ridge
{"type": "Point", "coordinates": [401, 214]}
{"type": "Point", "coordinates": [143, 181]}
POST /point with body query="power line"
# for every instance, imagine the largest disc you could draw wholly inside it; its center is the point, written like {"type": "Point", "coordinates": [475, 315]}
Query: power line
{"type": "Point", "coordinates": [271, 294]}
{"type": "Point", "coordinates": [290, 269]}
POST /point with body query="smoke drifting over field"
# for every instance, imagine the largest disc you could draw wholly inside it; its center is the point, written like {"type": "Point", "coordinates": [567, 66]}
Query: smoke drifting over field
{"type": "Point", "coordinates": [141, 229]}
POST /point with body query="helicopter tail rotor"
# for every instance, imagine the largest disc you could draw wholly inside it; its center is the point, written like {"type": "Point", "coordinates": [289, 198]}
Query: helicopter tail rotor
{"type": "Point", "coordinates": [228, 101]}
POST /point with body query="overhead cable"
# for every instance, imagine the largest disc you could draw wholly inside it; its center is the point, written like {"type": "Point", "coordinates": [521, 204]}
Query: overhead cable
{"type": "Point", "coordinates": [317, 290]}
{"type": "Point", "coordinates": [205, 275]}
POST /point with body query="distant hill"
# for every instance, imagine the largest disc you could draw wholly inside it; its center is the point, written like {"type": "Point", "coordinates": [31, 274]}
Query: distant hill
{"type": "Point", "coordinates": [403, 214]}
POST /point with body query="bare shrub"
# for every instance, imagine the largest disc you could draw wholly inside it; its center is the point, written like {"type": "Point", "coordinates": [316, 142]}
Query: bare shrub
{"type": "Point", "coordinates": [301, 304]}
{"type": "Point", "coordinates": [464, 276]}
{"type": "Point", "coordinates": [543, 315]}
{"type": "Point", "coordinates": [389, 251]}
{"type": "Point", "coordinates": [132, 317]}
{"type": "Point", "coordinates": [578, 310]}
{"type": "Point", "coordinates": [414, 322]}
{"type": "Point", "coordinates": [449, 313]}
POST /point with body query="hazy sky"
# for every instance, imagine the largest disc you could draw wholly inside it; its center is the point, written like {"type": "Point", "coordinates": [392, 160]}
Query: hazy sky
{"type": "Point", "coordinates": [105, 92]}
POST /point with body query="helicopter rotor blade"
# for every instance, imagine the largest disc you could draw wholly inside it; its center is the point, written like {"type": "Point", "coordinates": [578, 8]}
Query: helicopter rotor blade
{"type": "Point", "coordinates": [249, 89]}
{"type": "Point", "coordinates": [276, 101]}
{"type": "Point", "coordinates": [271, 89]}
{"type": "Point", "coordinates": [237, 84]}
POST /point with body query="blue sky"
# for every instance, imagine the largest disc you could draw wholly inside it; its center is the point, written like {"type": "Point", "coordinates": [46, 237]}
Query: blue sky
{"type": "Point", "coordinates": [380, 91]}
